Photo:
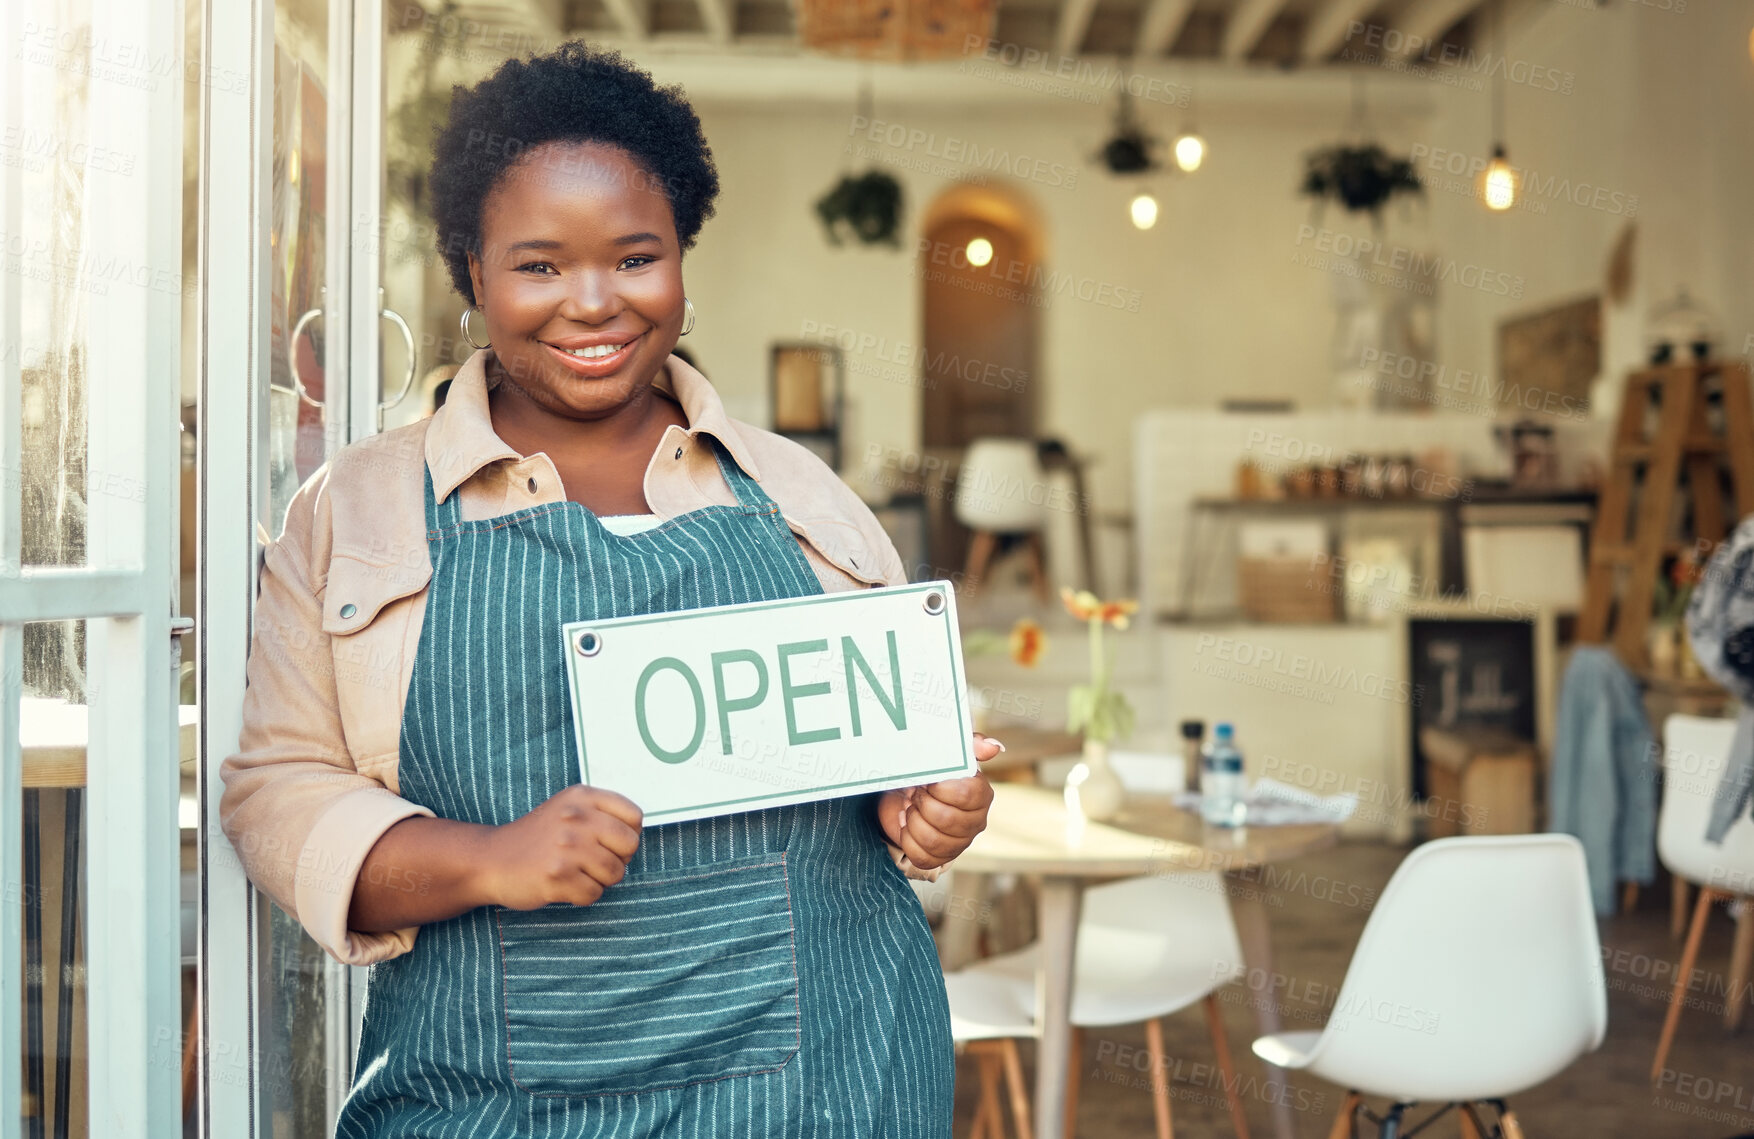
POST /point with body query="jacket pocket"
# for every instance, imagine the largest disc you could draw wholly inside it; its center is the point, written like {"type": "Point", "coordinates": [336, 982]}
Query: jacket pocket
{"type": "Point", "coordinates": [666, 980]}
{"type": "Point", "coordinates": [367, 612]}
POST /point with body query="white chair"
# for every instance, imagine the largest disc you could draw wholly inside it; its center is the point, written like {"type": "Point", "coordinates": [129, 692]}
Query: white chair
{"type": "Point", "coordinates": [1478, 976]}
{"type": "Point", "coordinates": [1001, 489]}
{"type": "Point", "coordinates": [1147, 947]}
{"type": "Point", "coordinates": [986, 1021]}
{"type": "Point", "coordinates": [1695, 753]}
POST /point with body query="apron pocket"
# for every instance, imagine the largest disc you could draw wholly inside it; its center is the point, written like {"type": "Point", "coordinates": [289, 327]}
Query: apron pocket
{"type": "Point", "coordinates": [666, 980]}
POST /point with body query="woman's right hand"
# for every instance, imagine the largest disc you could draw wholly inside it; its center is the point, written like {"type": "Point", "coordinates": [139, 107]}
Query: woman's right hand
{"type": "Point", "coordinates": [569, 849]}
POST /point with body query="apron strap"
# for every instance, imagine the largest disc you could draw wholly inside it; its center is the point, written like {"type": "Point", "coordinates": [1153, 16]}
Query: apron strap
{"type": "Point", "coordinates": [747, 490]}
{"type": "Point", "coordinates": [440, 515]}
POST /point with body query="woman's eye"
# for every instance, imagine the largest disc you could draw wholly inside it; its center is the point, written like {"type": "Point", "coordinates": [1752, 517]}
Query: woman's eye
{"type": "Point", "coordinates": [535, 265]}
{"type": "Point", "coordinates": [641, 258]}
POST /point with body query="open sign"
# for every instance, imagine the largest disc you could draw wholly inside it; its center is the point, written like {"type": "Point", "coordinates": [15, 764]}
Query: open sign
{"type": "Point", "coordinates": [709, 711]}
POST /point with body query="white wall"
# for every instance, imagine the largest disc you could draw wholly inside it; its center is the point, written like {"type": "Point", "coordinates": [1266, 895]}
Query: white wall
{"type": "Point", "coordinates": [1658, 107]}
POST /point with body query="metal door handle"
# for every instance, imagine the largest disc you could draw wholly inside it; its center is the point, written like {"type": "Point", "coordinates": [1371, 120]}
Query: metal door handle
{"type": "Point", "coordinates": [298, 385]}
{"type": "Point", "coordinates": [385, 312]}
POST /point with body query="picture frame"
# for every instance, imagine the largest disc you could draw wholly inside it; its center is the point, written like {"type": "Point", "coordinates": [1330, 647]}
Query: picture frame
{"type": "Point", "coordinates": [805, 382]}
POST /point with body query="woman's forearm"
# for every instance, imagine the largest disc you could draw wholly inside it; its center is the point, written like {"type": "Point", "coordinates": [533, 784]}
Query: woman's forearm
{"type": "Point", "coordinates": [422, 870]}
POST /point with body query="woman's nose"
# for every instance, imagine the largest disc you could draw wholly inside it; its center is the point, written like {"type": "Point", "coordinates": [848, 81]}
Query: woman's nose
{"type": "Point", "coordinates": [593, 299]}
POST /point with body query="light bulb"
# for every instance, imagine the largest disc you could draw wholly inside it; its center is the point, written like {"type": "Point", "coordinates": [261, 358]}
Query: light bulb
{"type": "Point", "coordinates": [1190, 151]}
{"type": "Point", "coordinates": [1498, 183]}
{"type": "Point", "coordinates": [1144, 211]}
{"type": "Point", "coordinates": [980, 251]}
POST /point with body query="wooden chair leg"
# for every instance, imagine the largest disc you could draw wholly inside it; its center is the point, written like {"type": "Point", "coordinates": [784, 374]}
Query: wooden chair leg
{"type": "Point", "coordinates": [1038, 566]}
{"type": "Point", "coordinates": [1074, 1081]}
{"type": "Point", "coordinates": [1159, 1079]}
{"type": "Point", "coordinates": [1342, 1128]}
{"type": "Point", "coordinates": [981, 545]}
{"type": "Point", "coordinates": [1508, 1124]}
{"type": "Point", "coordinates": [1678, 890]}
{"type": "Point", "coordinates": [191, 1039]}
{"type": "Point", "coordinates": [1737, 1001]}
{"type": "Point", "coordinates": [989, 1117]}
{"type": "Point", "coordinates": [1689, 954]}
{"type": "Point", "coordinates": [1226, 1066]}
{"type": "Point", "coordinates": [1470, 1123]}
{"type": "Point", "coordinates": [1019, 1095]}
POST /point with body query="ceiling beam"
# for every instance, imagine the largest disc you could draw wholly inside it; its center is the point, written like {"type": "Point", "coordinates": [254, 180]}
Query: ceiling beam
{"type": "Point", "coordinates": [718, 18]}
{"type": "Point", "coordinates": [1074, 22]}
{"type": "Point", "coordinates": [1247, 21]}
{"type": "Point", "coordinates": [632, 17]}
{"type": "Point", "coordinates": [1326, 28]}
{"type": "Point", "coordinates": [1161, 25]}
{"type": "Point", "coordinates": [1425, 20]}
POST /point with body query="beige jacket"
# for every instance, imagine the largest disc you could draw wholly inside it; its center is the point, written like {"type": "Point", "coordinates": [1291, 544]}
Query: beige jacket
{"type": "Point", "coordinates": [339, 613]}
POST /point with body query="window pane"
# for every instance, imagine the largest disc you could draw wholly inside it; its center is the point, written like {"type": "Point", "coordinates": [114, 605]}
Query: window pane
{"type": "Point", "coordinates": [61, 282]}
{"type": "Point", "coordinates": [52, 740]}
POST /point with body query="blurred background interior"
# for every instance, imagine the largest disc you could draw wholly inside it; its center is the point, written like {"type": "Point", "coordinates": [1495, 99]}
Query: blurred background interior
{"type": "Point", "coordinates": [1392, 355]}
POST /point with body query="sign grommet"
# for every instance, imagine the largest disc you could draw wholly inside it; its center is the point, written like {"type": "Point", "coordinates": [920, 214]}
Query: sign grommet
{"type": "Point", "coordinates": [588, 643]}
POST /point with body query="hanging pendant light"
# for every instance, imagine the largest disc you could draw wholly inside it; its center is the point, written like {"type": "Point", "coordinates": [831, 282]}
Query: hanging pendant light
{"type": "Point", "coordinates": [1498, 182]}
{"type": "Point", "coordinates": [1143, 210]}
{"type": "Point", "coordinates": [1189, 148]}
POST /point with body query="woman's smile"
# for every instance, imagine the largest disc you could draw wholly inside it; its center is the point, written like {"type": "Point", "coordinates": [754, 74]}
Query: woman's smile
{"type": "Point", "coordinates": [594, 357]}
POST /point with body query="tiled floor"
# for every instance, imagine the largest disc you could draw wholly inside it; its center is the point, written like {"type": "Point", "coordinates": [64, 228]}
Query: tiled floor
{"type": "Point", "coordinates": [1708, 1094]}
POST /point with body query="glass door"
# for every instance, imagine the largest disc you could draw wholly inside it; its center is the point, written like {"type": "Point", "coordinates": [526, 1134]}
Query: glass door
{"type": "Point", "coordinates": [295, 366]}
{"type": "Point", "coordinates": [92, 295]}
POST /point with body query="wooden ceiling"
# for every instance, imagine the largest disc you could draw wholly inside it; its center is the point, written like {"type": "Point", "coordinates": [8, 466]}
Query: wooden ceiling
{"type": "Point", "coordinates": [1284, 33]}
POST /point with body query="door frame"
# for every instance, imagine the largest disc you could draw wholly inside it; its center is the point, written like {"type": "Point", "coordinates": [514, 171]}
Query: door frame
{"type": "Point", "coordinates": [237, 184]}
{"type": "Point", "coordinates": [125, 591]}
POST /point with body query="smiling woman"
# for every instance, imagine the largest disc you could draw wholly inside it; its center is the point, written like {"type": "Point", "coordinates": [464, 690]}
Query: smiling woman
{"type": "Point", "coordinates": [407, 782]}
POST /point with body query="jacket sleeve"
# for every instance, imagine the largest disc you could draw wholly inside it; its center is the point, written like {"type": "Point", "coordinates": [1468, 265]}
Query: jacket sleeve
{"type": "Point", "coordinates": [295, 809]}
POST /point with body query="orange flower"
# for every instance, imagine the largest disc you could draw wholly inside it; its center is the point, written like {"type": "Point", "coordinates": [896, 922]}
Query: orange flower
{"type": "Point", "coordinates": [1086, 606]}
{"type": "Point", "coordinates": [1028, 642]}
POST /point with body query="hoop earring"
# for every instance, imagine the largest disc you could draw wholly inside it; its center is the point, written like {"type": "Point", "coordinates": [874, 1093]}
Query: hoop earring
{"type": "Point", "coordinates": [688, 318]}
{"type": "Point", "coordinates": [465, 325]}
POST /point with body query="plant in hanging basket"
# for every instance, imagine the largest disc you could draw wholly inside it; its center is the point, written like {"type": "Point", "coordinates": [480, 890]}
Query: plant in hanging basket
{"type": "Point", "coordinates": [866, 205]}
{"type": "Point", "coordinates": [1361, 178]}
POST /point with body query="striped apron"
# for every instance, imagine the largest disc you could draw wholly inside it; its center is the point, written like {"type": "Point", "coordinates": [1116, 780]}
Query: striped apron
{"type": "Point", "coordinates": [763, 975]}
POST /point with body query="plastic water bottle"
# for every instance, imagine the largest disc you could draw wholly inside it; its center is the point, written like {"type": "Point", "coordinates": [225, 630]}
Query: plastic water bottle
{"type": "Point", "coordinates": [1222, 788]}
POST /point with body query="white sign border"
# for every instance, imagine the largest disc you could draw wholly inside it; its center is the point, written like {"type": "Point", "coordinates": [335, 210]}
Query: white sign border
{"type": "Point", "coordinates": [967, 767]}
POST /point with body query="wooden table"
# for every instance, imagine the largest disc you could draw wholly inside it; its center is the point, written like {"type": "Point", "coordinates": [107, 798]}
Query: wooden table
{"type": "Point", "coordinates": [1030, 831]}
{"type": "Point", "coordinates": [53, 736]}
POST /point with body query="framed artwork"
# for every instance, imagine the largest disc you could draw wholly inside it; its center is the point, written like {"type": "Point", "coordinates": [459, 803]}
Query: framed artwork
{"type": "Point", "coordinates": [806, 388]}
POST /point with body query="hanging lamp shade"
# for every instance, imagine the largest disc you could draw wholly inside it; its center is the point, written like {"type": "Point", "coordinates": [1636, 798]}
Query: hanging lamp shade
{"type": "Point", "coordinates": [898, 30]}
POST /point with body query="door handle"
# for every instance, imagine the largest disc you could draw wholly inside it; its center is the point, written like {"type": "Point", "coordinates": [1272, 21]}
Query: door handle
{"type": "Point", "coordinates": [385, 312]}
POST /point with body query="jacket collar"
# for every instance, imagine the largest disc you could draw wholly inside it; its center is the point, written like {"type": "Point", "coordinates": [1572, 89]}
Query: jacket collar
{"type": "Point", "coordinates": [461, 441]}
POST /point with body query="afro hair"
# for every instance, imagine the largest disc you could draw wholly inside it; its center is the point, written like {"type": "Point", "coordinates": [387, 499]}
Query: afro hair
{"type": "Point", "coordinates": [577, 93]}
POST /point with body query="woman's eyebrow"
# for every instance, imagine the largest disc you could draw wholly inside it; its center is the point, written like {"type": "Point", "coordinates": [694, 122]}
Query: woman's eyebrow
{"type": "Point", "coordinates": [549, 243]}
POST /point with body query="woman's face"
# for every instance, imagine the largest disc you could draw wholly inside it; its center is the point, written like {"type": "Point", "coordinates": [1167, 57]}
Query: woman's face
{"type": "Point", "coordinates": [579, 252]}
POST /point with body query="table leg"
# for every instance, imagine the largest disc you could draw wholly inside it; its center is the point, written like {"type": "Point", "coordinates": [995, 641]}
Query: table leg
{"type": "Point", "coordinates": [33, 963]}
{"type": "Point", "coordinates": [1059, 904]}
{"type": "Point", "coordinates": [1250, 914]}
{"type": "Point", "coordinates": [959, 930]}
{"type": "Point", "coordinates": [64, 986]}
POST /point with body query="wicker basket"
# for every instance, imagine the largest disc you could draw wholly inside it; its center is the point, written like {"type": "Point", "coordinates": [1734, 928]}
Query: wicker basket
{"type": "Point", "coordinates": [1293, 590]}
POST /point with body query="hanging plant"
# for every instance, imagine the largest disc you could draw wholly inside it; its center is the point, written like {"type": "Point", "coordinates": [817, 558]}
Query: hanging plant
{"type": "Point", "coordinates": [1361, 178]}
{"type": "Point", "coordinates": [868, 206]}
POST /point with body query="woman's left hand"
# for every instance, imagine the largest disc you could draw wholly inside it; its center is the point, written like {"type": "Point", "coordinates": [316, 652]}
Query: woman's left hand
{"type": "Point", "coordinates": [935, 822]}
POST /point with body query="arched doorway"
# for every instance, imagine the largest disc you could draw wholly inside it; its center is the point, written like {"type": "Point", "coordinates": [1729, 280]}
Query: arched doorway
{"type": "Point", "coordinates": [980, 324]}
{"type": "Point", "coordinates": [980, 253]}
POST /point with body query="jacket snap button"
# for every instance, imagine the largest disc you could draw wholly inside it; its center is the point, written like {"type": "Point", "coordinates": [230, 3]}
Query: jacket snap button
{"type": "Point", "coordinates": [532, 486]}
{"type": "Point", "coordinates": [678, 452]}
{"type": "Point", "coordinates": [348, 610]}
